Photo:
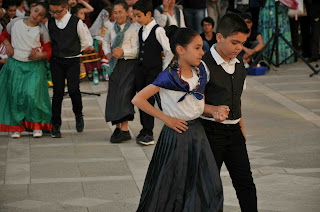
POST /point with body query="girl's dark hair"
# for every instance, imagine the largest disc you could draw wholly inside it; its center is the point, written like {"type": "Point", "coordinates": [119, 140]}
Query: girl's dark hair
{"type": "Point", "coordinates": [45, 5]}
{"type": "Point", "coordinates": [75, 9]}
{"type": "Point", "coordinates": [144, 6]}
{"type": "Point", "coordinates": [121, 2]}
{"type": "Point", "coordinates": [231, 24]}
{"type": "Point", "coordinates": [7, 4]}
{"type": "Point", "coordinates": [179, 37]}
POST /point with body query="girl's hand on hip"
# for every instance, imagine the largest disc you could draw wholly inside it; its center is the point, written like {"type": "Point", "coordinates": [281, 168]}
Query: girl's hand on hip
{"type": "Point", "coordinates": [178, 125]}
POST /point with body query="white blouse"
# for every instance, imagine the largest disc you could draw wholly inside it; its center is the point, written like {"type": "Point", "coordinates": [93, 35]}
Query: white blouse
{"type": "Point", "coordinates": [188, 109]}
{"type": "Point", "coordinates": [129, 45]}
{"type": "Point", "coordinates": [24, 38]}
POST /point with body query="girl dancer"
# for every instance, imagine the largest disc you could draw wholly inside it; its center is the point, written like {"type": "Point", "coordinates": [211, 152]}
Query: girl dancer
{"type": "Point", "coordinates": [24, 96]}
{"type": "Point", "coordinates": [182, 175]}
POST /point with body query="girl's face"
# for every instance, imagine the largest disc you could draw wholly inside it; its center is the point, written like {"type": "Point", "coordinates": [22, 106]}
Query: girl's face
{"type": "Point", "coordinates": [248, 22]}
{"type": "Point", "coordinates": [11, 11]}
{"type": "Point", "coordinates": [37, 13]}
{"type": "Point", "coordinates": [81, 14]}
{"type": "Point", "coordinates": [120, 14]}
{"type": "Point", "coordinates": [192, 53]}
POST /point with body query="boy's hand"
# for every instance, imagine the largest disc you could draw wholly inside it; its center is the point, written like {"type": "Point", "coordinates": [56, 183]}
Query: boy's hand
{"type": "Point", "coordinates": [220, 113]}
{"type": "Point", "coordinates": [176, 124]}
{"type": "Point", "coordinates": [117, 52]}
{"type": "Point", "coordinates": [109, 55]}
{"type": "Point", "coordinates": [34, 54]}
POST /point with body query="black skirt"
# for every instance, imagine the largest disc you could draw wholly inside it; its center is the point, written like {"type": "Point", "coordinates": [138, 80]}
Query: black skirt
{"type": "Point", "coordinates": [182, 175]}
{"type": "Point", "coordinates": [120, 93]}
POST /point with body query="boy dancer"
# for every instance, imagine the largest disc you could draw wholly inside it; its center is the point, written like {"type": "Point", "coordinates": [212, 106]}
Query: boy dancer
{"type": "Point", "coordinates": [227, 77]}
{"type": "Point", "coordinates": [152, 41]}
{"type": "Point", "coordinates": [68, 39]}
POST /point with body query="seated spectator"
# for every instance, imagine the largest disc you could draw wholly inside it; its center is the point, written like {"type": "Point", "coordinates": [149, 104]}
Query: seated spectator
{"type": "Point", "coordinates": [254, 43]}
{"type": "Point", "coordinates": [208, 36]}
{"type": "Point", "coordinates": [168, 14]}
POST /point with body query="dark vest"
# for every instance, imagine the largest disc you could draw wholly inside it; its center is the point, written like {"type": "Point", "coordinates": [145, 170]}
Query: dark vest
{"type": "Point", "coordinates": [176, 12]}
{"type": "Point", "coordinates": [224, 88]}
{"type": "Point", "coordinates": [65, 42]}
{"type": "Point", "coordinates": [150, 50]}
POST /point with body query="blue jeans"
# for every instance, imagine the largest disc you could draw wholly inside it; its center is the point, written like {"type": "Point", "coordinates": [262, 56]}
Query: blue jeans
{"type": "Point", "coordinates": [193, 18]}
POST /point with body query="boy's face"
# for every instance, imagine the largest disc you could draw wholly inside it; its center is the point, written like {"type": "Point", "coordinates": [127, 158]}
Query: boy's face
{"type": "Point", "coordinates": [81, 14]}
{"type": "Point", "coordinates": [207, 27]}
{"type": "Point", "coordinates": [231, 46]}
{"type": "Point", "coordinates": [141, 18]}
{"type": "Point", "coordinates": [58, 11]}
{"type": "Point", "coordinates": [120, 14]}
{"type": "Point", "coordinates": [11, 11]}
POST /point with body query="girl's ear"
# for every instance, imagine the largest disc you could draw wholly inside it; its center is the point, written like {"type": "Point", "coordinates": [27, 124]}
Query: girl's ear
{"type": "Point", "coordinates": [180, 50]}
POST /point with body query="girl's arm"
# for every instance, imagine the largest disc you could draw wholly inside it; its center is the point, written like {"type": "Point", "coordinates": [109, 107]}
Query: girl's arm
{"type": "Point", "coordinates": [9, 48]}
{"type": "Point", "coordinates": [219, 113]}
{"type": "Point", "coordinates": [141, 101]}
{"type": "Point", "coordinates": [88, 7]}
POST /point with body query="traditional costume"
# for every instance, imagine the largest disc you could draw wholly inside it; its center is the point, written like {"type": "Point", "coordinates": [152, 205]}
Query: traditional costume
{"type": "Point", "coordinates": [182, 175]}
{"type": "Point", "coordinates": [24, 96]}
{"type": "Point", "coordinates": [121, 81]}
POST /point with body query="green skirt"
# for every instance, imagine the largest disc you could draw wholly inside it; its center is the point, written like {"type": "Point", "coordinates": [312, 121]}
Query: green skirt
{"type": "Point", "coordinates": [24, 96]}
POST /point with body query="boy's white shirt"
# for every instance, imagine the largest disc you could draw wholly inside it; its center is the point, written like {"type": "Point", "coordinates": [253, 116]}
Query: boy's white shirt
{"type": "Point", "coordinates": [228, 68]}
{"type": "Point", "coordinates": [161, 38]}
{"type": "Point", "coordinates": [61, 24]}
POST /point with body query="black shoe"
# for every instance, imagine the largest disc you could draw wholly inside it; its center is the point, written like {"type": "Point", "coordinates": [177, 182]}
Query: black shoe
{"type": "Point", "coordinates": [115, 133]}
{"type": "Point", "coordinates": [140, 137]}
{"type": "Point", "coordinates": [55, 133]}
{"type": "Point", "coordinates": [79, 123]}
{"type": "Point", "coordinates": [122, 136]}
{"type": "Point", "coordinates": [146, 140]}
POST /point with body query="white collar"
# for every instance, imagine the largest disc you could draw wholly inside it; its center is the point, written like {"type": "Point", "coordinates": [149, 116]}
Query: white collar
{"type": "Point", "coordinates": [65, 18]}
{"type": "Point", "coordinates": [219, 60]}
{"type": "Point", "coordinates": [150, 25]}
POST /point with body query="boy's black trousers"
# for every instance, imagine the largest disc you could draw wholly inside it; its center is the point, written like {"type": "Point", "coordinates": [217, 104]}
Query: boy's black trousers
{"type": "Point", "coordinates": [61, 69]}
{"type": "Point", "coordinates": [228, 145]}
{"type": "Point", "coordinates": [144, 77]}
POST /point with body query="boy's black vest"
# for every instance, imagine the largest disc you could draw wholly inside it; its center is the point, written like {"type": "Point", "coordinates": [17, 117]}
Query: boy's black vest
{"type": "Point", "coordinates": [150, 50]}
{"type": "Point", "coordinates": [224, 88]}
{"type": "Point", "coordinates": [176, 12]}
{"type": "Point", "coordinates": [65, 42]}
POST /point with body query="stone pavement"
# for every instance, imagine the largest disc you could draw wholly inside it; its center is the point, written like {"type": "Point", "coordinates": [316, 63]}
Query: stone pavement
{"type": "Point", "coordinates": [84, 172]}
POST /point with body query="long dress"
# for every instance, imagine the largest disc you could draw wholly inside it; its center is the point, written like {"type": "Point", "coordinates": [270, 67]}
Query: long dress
{"type": "Point", "coordinates": [266, 27]}
{"type": "Point", "coordinates": [182, 175]}
{"type": "Point", "coordinates": [24, 96]}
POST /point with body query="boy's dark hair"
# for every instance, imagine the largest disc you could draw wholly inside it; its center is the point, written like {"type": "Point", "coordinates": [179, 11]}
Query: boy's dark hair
{"type": "Point", "coordinates": [246, 16]}
{"type": "Point", "coordinates": [121, 2]}
{"type": "Point", "coordinates": [75, 9]}
{"type": "Point", "coordinates": [63, 3]}
{"type": "Point", "coordinates": [144, 6]}
{"type": "Point", "coordinates": [208, 20]}
{"type": "Point", "coordinates": [179, 36]}
{"type": "Point", "coordinates": [231, 24]}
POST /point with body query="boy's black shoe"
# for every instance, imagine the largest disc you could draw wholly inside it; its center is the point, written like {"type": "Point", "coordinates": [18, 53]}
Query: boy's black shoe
{"type": "Point", "coordinates": [115, 133]}
{"type": "Point", "coordinates": [146, 140]}
{"type": "Point", "coordinates": [55, 133]}
{"type": "Point", "coordinates": [122, 136]}
{"type": "Point", "coordinates": [79, 123]}
{"type": "Point", "coordinates": [140, 137]}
